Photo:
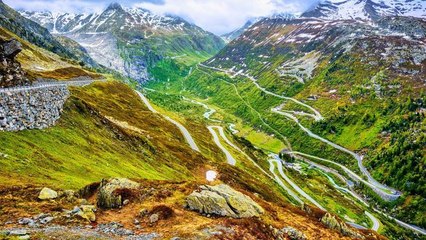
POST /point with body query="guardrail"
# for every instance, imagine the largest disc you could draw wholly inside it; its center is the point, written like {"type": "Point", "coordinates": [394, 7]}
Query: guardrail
{"type": "Point", "coordinates": [40, 85]}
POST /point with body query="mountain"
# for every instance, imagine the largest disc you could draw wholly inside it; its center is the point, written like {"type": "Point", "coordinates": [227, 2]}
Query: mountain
{"type": "Point", "coordinates": [30, 31]}
{"type": "Point", "coordinates": [131, 40]}
{"type": "Point", "coordinates": [299, 128]}
{"type": "Point", "coordinates": [367, 9]}
{"type": "Point", "coordinates": [365, 77]}
{"type": "Point", "coordinates": [38, 35]}
{"type": "Point", "coordinates": [107, 129]}
{"type": "Point", "coordinates": [228, 37]}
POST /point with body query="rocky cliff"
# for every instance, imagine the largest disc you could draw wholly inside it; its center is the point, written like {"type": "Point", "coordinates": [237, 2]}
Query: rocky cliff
{"type": "Point", "coordinates": [11, 73]}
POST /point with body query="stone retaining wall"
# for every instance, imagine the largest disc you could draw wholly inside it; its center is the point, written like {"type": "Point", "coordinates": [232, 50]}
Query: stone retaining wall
{"type": "Point", "coordinates": [36, 108]}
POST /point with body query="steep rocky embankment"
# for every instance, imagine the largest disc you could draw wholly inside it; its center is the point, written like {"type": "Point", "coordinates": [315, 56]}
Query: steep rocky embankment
{"type": "Point", "coordinates": [25, 107]}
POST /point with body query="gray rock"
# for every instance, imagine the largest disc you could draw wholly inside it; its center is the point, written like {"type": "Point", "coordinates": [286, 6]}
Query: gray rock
{"type": "Point", "coordinates": [223, 200]}
{"type": "Point", "coordinates": [46, 220]}
{"type": "Point", "coordinates": [87, 212]}
{"type": "Point", "coordinates": [11, 48]}
{"type": "Point", "coordinates": [47, 193]}
{"type": "Point", "coordinates": [154, 218]}
{"type": "Point", "coordinates": [75, 210]}
{"type": "Point", "coordinates": [293, 233]}
{"type": "Point", "coordinates": [111, 192]}
{"type": "Point", "coordinates": [26, 221]}
{"type": "Point", "coordinates": [332, 222]}
{"type": "Point", "coordinates": [18, 232]}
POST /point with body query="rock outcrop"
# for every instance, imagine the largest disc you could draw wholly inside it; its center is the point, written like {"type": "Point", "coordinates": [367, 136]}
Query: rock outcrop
{"type": "Point", "coordinates": [291, 233]}
{"type": "Point", "coordinates": [113, 192]}
{"type": "Point", "coordinates": [222, 200]}
{"type": "Point", "coordinates": [11, 73]}
{"type": "Point", "coordinates": [332, 222]}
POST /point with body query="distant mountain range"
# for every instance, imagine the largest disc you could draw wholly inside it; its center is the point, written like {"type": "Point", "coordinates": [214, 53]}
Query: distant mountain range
{"type": "Point", "coordinates": [347, 9]}
{"type": "Point", "coordinates": [367, 9]}
{"type": "Point", "coordinates": [130, 40]}
{"type": "Point", "coordinates": [36, 34]}
{"type": "Point", "coordinates": [237, 32]}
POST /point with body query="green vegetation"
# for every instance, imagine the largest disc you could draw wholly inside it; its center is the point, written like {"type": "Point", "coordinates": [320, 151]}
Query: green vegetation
{"type": "Point", "coordinates": [69, 155]}
{"type": "Point", "coordinates": [364, 113]}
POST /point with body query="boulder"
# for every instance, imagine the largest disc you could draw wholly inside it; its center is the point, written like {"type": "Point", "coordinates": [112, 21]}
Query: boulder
{"type": "Point", "coordinates": [11, 48]}
{"type": "Point", "coordinates": [47, 193]}
{"type": "Point", "coordinates": [222, 200]}
{"type": "Point", "coordinates": [11, 72]}
{"type": "Point", "coordinates": [332, 222]}
{"type": "Point", "coordinates": [87, 212]}
{"type": "Point", "coordinates": [114, 191]}
{"type": "Point", "coordinates": [293, 233]}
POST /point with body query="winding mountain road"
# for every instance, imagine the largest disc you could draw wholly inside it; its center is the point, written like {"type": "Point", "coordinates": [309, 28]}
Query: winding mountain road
{"type": "Point", "coordinates": [279, 164]}
{"type": "Point", "coordinates": [383, 190]}
{"type": "Point", "coordinates": [183, 130]}
{"type": "Point", "coordinates": [208, 113]}
{"type": "Point", "coordinates": [376, 223]}
{"type": "Point", "coordinates": [353, 175]}
{"type": "Point", "coordinates": [229, 158]}
{"type": "Point", "coordinates": [378, 186]}
{"type": "Point", "coordinates": [317, 115]}
{"type": "Point", "coordinates": [350, 173]}
{"type": "Point", "coordinates": [372, 183]}
{"type": "Point", "coordinates": [281, 183]}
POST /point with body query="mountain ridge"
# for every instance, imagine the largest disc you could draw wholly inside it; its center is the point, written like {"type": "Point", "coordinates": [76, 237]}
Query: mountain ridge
{"type": "Point", "coordinates": [150, 37]}
{"type": "Point", "coordinates": [367, 9]}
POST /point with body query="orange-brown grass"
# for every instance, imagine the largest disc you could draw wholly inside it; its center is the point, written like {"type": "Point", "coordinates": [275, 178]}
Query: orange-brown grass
{"type": "Point", "coordinates": [174, 218]}
{"type": "Point", "coordinates": [63, 74]}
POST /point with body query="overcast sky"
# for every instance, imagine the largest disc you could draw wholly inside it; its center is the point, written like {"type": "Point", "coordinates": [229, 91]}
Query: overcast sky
{"type": "Point", "coordinates": [218, 16]}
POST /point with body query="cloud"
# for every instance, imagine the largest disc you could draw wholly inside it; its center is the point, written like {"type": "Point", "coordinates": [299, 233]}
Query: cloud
{"type": "Point", "coordinates": [217, 16]}
{"type": "Point", "coordinates": [221, 16]}
{"type": "Point", "coordinates": [57, 5]}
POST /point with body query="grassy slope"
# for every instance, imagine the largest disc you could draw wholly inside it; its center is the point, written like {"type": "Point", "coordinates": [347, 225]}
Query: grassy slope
{"type": "Point", "coordinates": [314, 184]}
{"type": "Point", "coordinates": [85, 147]}
{"type": "Point", "coordinates": [106, 131]}
{"type": "Point", "coordinates": [39, 62]}
{"type": "Point", "coordinates": [215, 91]}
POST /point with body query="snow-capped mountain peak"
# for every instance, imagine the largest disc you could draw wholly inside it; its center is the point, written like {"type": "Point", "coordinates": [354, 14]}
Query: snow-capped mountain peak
{"type": "Point", "coordinates": [367, 9]}
{"type": "Point", "coordinates": [237, 32]}
{"type": "Point", "coordinates": [113, 17]}
{"type": "Point", "coordinates": [114, 6]}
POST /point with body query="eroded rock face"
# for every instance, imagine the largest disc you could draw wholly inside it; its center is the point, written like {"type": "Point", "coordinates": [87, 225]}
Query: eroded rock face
{"type": "Point", "coordinates": [11, 73]}
{"type": "Point", "coordinates": [222, 200]}
{"type": "Point", "coordinates": [333, 223]}
{"type": "Point", "coordinates": [113, 192]}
